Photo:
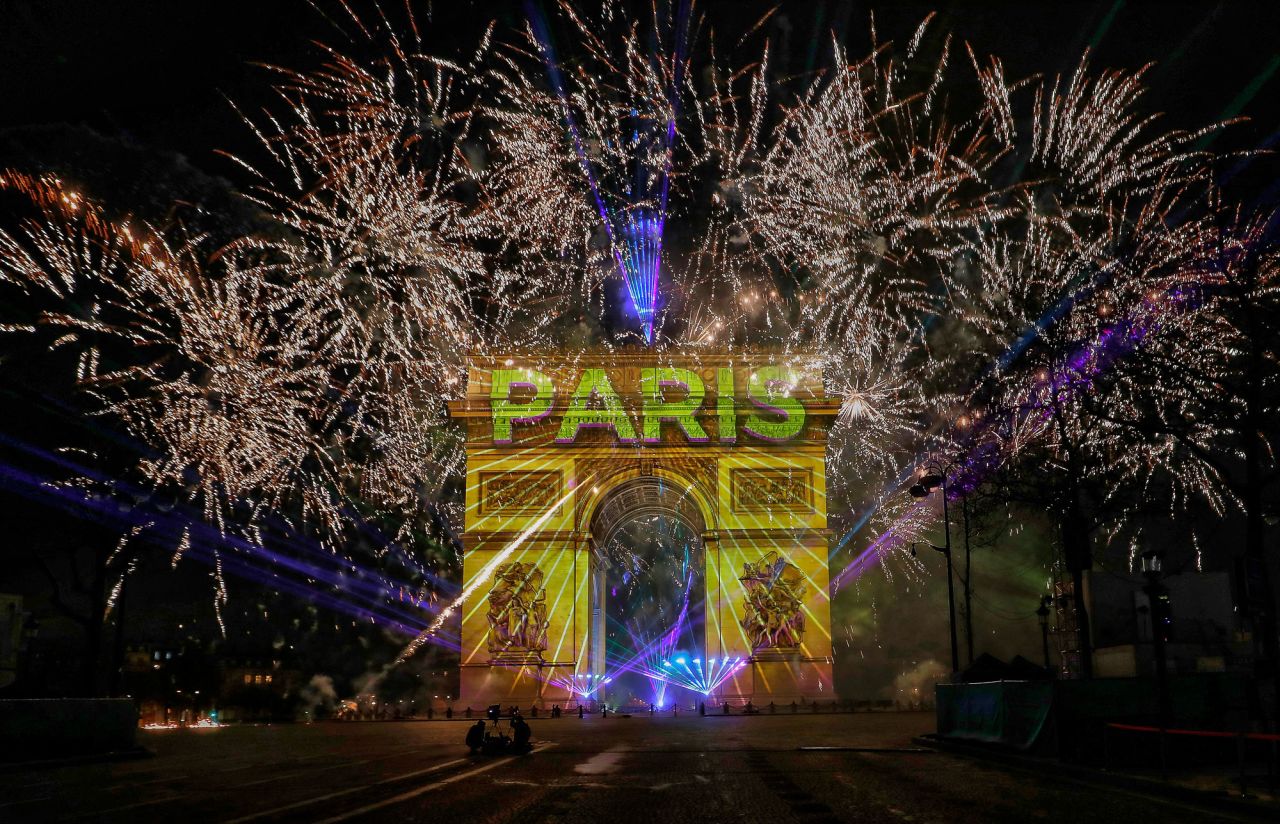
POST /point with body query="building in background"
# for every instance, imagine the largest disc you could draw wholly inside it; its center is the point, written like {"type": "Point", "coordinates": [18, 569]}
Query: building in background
{"type": "Point", "coordinates": [1203, 636]}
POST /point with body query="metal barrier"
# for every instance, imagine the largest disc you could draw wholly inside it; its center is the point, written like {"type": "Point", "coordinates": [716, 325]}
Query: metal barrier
{"type": "Point", "coordinates": [1241, 739]}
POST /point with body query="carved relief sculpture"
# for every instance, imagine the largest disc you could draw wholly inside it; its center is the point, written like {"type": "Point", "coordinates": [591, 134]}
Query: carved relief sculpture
{"type": "Point", "coordinates": [517, 609]}
{"type": "Point", "coordinates": [763, 490]}
{"type": "Point", "coordinates": [517, 492]}
{"type": "Point", "coordinates": [775, 593]}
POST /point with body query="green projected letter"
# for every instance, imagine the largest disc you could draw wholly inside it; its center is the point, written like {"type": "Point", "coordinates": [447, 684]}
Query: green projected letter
{"type": "Point", "coordinates": [681, 412]}
{"type": "Point", "coordinates": [725, 406]}
{"type": "Point", "coordinates": [507, 412]}
{"type": "Point", "coordinates": [769, 390]}
{"type": "Point", "coordinates": [595, 383]}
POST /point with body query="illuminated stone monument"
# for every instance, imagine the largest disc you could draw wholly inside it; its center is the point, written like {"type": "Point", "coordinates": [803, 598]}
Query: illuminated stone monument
{"type": "Point", "coordinates": [558, 454]}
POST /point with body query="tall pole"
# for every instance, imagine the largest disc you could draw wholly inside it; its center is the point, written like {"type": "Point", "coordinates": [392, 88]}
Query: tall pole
{"type": "Point", "coordinates": [968, 586]}
{"type": "Point", "coordinates": [951, 592]}
{"type": "Point", "coordinates": [1155, 592]}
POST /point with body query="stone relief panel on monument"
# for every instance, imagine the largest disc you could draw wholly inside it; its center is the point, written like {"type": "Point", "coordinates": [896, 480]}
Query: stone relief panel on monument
{"type": "Point", "coordinates": [517, 610]}
{"type": "Point", "coordinates": [760, 490]}
{"type": "Point", "coordinates": [775, 592]}
{"type": "Point", "coordinates": [512, 492]}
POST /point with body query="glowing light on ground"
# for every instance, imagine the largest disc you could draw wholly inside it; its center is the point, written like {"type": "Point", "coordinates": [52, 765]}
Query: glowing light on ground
{"type": "Point", "coordinates": [581, 685]}
{"type": "Point", "coordinates": [694, 674]}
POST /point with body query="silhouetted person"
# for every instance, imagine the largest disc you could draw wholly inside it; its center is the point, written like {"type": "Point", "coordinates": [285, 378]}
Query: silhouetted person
{"type": "Point", "coordinates": [448, 713]}
{"type": "Point", "coordinates": [533, 711]}
{"type": "Point", "coordinates": [522, 734]}
{"type": "Point", "coordinates": [702, 708]}
{"type": "Point", "coordinates": [431, 713]}
{"type": "Point", "coordinates": [793, 706]}
{"type": "Point", "coordinates": [772, 708]}
{"type": "Point", "coordinates": [725, 706]}
{"type": "Point", "coordinates": [468, 712]}
{"type": "Point", "coordinates": [579, 710]}
{"type": "Point", "coordinates": [475, 736]}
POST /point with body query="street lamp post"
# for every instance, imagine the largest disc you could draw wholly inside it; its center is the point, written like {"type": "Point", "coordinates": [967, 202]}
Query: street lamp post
{"type": "Point", "coordinates": [1158, 596]}
{"type": "Point", "coordinates": [1042, 612]}
{"type": "Point", "coordinates": [925, 486]}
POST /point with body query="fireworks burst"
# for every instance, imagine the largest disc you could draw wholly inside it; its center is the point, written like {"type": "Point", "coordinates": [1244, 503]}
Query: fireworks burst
{"type": "Point", "coordinates": [434, 208]}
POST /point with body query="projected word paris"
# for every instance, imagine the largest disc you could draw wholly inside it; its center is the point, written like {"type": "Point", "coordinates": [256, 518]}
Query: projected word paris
{"type": "Point", "coordinates": [668, 395]}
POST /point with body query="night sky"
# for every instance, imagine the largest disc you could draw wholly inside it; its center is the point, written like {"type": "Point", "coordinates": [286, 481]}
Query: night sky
{"type": "Point", "coordinates": [160, 73]}
{"type": "Point", "coordinates": [155, 77]}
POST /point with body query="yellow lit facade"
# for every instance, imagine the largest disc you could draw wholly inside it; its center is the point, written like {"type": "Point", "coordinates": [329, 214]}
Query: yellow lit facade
{"type": "Point", "coordinates": [748, 476]}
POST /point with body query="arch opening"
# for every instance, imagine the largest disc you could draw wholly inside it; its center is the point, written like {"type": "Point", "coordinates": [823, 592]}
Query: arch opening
{"type": "Point", "coordinates": [648, 594]}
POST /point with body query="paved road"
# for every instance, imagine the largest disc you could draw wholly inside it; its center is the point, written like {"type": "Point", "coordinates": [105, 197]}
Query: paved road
{"type": "Point", "coordinates": [613, 770]}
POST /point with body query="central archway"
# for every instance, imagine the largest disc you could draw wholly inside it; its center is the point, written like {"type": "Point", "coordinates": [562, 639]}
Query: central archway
{"type": "Point", "coordinates": [648, 589]}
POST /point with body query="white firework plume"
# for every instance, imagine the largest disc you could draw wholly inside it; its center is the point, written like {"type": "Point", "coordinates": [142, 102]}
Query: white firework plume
{"type": "Point", "coordinates": [212, 379]}
{"type": "Point", "coordinates": [367, 168]}
{"type": "Point", "coordinates": [212, 365]}
{"type": "Point", "coordinates": [1101, 238]}
{"type": "Point", "coordinates": [865, 187]}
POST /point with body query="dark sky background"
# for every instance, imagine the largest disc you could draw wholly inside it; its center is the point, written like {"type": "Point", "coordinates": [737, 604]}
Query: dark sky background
{"type": "Point", "coordinates": [159, 72]}
{"type": "Point", "coordinates": [157, 75]}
